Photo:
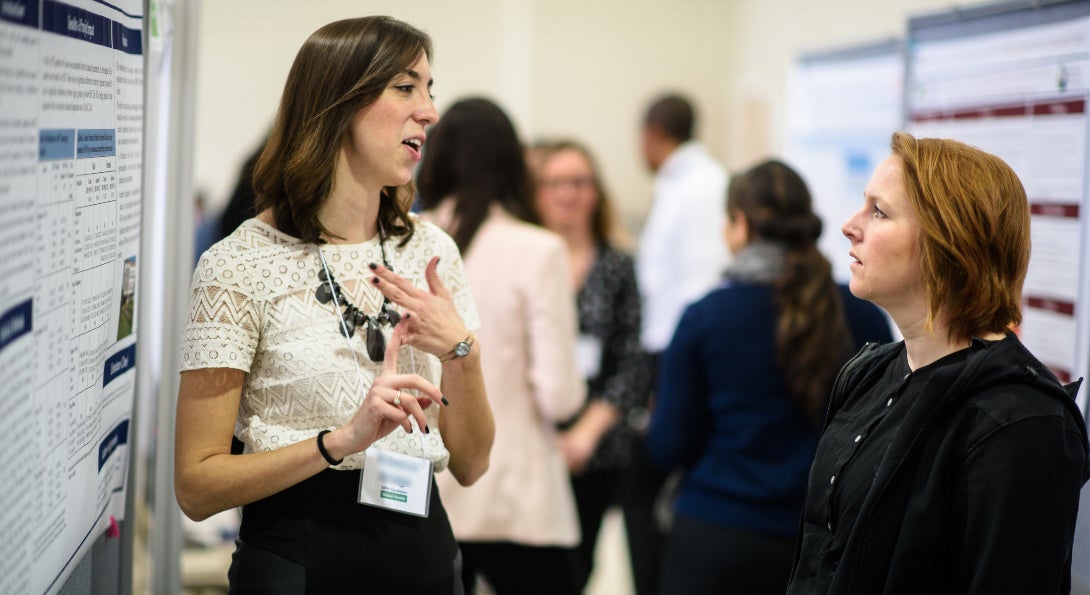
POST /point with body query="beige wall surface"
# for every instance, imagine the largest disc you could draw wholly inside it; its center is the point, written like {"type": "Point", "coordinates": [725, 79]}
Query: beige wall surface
{"type": "Point", "coordinates": [579, 68]}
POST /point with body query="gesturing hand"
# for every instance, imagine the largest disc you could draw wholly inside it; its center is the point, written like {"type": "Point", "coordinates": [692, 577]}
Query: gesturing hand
{"type": "Point", "coordinates": [389, 403]}
{"type": "Point", "coordinates": [431, 322]}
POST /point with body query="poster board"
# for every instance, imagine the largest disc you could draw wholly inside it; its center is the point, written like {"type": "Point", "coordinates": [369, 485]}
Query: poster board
{"type": "Point", "coordinates": [71, 135]}
{"type": "Point", "coordinates": [1014, 80]}
{"type": "Point", "coordinates": [843, 106]}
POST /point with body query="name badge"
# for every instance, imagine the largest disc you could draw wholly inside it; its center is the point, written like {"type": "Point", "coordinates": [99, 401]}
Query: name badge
{"type": "Point", "coordinates": [588, 355]}
{"type": "Point", "coordinates": [396, 482]}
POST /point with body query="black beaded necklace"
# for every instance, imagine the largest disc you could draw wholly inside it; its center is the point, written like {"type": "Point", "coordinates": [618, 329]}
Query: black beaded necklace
{"type": "Point", "coordinates": [351, 316]}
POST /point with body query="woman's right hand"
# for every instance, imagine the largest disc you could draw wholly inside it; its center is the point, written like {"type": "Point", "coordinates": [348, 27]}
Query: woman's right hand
{"type": "Point", "coordinates": [387, 405]}
{"type": "Point", "coordinates": [433, 323]}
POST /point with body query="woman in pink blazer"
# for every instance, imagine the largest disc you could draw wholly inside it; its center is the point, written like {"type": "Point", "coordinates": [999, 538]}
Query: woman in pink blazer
{"type": "Point", "coordinates": [517, 526]}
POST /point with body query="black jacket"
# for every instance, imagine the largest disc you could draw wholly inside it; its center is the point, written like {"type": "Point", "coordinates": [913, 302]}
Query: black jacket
{"type": "Point", "coordinates": [978, 491]}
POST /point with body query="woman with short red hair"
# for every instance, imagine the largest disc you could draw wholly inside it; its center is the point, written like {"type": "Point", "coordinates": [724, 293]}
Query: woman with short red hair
{"type": "Point", "coordinates": [950, 462]}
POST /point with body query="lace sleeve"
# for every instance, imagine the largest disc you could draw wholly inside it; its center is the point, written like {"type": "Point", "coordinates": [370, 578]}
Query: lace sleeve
{"type": "Point", "coordinates": [223, 328]}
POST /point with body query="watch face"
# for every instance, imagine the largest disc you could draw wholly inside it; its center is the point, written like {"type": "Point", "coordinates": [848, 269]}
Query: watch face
{"type": "Point", "coordinates": [462, 349]}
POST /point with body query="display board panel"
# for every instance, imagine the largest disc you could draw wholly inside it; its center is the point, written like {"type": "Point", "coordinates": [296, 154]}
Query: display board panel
{"type": "Point", "coordinates": [1014, 79]}
{"type": "Point", "coordinates": [843, 106]}
{"type": "Point", "coordinates": [1015, 82]}
{"type": "Point", "coordinates": [71, 134]}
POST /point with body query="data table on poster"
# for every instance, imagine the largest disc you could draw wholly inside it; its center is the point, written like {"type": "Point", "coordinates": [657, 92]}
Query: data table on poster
{"type": "Point", "coordinates": [71, 126]}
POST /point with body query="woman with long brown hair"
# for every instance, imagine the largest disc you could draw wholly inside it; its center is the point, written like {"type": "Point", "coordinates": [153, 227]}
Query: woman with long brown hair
{"type": "Point", "coordinates": [517, 527]}
{"type": "Point", "coordinates": [743, 389]}
{"type": "Point", "coordinates": [348, 384]}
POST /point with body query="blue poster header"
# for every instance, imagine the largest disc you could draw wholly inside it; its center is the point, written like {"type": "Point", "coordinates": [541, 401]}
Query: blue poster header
{"type": "Point", "coordinates": [76, 23]}
{"type": "Point", "coordinates": [117, 437]}
{"type": "Point", "coordinates": [95, 142]}
{"type": "Point", "coordinates": [19, 12]}
{"type": "Point", "coordinates": [130, 41]}
{"type": "Point", "coordinates": [58, 143]}
{"type": "Point", "coordinates": [16, 322]}
{"type": "Point", "coordinates": [119, 363]}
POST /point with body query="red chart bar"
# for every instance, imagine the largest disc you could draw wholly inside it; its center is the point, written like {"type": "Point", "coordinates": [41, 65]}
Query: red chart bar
{"type": "Point", "coordinates": [1065, 211]}
{"type": "Point", "coordinates": [1062, 375]}
{"type": "Point", "coordinates": [1051, 107]}
{"type": "Point", "coordinates": [1051, 305]}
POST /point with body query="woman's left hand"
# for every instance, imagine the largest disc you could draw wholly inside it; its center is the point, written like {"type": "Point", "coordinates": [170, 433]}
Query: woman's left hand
{"type": "Point", "coordinates": [577, 446]}
{"type": "Point", "coordinates": [431, 322]}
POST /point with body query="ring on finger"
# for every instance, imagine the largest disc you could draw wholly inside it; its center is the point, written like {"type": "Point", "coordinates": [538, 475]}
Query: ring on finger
{"type": "Point", "coordinates": [397, 399]}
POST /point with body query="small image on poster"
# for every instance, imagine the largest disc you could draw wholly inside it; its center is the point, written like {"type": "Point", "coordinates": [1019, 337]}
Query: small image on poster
{"type": "Point", "coordinates": [128, 298]}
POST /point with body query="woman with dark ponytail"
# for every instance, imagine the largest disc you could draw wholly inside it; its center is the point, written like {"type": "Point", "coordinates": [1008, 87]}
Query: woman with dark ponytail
{"type": "Point", "coordinates": [743, 389]}
{"type": "Point", "coordinates": [769, 215]}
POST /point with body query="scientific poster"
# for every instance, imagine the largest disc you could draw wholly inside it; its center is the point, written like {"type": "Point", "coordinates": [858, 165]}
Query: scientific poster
{"type": "Point", "coordinates": [843, 108]}
{"type": "Point", "coordinates": [71, 128]}
{"type": "Point", "coordinates": [1017, 85]}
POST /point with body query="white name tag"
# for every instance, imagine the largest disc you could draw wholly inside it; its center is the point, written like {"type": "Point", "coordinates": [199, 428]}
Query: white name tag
{"type": "Point", "coordinates": [588, 355]}
{"type": "Point", "coordinates": [396, 482]}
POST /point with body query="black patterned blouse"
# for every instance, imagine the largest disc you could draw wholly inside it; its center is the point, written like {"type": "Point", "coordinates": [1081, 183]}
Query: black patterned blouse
{"type": "Point", "coordinates": [616, 367]}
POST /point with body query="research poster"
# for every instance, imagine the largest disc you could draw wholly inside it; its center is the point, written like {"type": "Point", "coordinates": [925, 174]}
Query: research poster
{"type": "Point", "coordinates": [843, 107]}
{"type": "Point", "coordinates": [71, 127]}
{"type": "Point", "coordinates": [1017, 86]}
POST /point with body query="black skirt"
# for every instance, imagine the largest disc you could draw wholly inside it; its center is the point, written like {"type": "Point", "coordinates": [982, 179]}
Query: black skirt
{"type": "Point", "coordinates": [317, 536]}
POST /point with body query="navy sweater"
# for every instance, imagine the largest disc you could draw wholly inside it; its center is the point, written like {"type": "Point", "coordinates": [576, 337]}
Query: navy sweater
{"type": "Point", "coordinates": [723, 413]}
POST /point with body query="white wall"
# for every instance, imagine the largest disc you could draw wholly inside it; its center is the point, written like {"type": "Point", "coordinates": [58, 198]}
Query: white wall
{"type": "Point", "coordinates": [584, 68]}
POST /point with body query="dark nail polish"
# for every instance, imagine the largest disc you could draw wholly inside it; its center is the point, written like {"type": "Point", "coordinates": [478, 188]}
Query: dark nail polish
{"type": "Point", "coordinates": [373, 266]}
{"type": "Point", "coordinates": [427, 430]}
{"type": "Point", "coordinates": [374, 280]}
{"type": "Point", "coordinates": [410, 430]}
{"type": "Point", "coordinates": [407, 316]}
{"type": "Point", "coordinates": [444, 400]}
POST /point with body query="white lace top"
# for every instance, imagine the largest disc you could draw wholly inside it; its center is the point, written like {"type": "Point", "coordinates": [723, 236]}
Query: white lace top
{"type": "Point", "coordinates": [253, 308]}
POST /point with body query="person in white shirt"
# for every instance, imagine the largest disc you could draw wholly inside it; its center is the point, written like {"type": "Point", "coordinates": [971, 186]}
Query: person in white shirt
{"type": "Point", "coordinates": [681, 256]}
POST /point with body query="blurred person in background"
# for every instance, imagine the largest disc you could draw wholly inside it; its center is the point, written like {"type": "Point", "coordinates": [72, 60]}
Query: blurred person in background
{"type": "Point", "coordinates": [240, 207]}
{"type": "Point", "coordinates": [743, 389]}
{"type": "Point", "coordinates": [518, 526]}
{"type": "Point", "coordinates": [681, 254]}
{"type": "Point", "coordinates": [680, 258]}
{"type": "Point", "coordinates": [597, 444]}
